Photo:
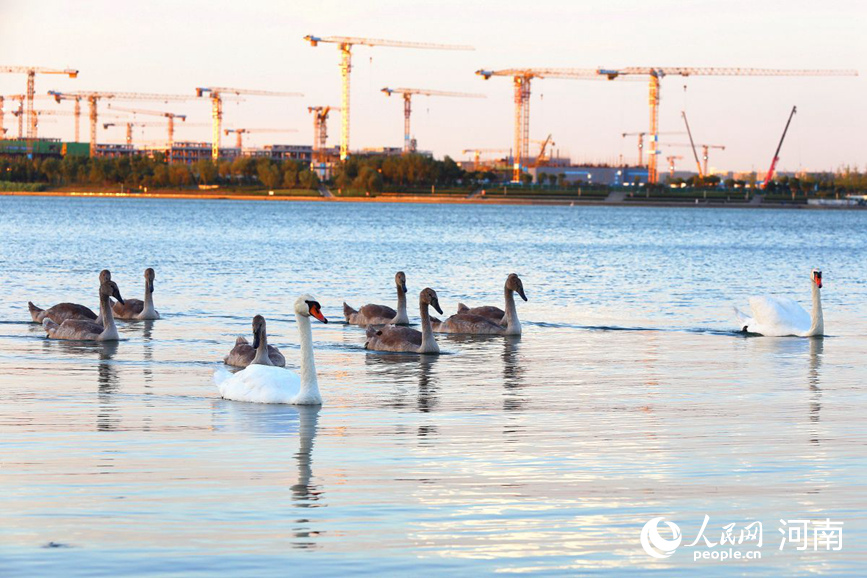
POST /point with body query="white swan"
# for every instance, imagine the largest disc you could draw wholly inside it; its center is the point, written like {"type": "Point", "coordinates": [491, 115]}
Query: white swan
{"type": "Point", "coordinates": [269, 384]}
{"type": "Point", "coordinates": [780, 316]}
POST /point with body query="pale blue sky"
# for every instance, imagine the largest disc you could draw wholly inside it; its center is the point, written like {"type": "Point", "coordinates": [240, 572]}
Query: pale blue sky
{"type": "Point", "coordinates": [172, 47]}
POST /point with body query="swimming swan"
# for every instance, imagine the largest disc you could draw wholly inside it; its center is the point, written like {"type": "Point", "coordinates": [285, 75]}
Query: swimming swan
{"type": "Point", "coordinates": [63, 311]}
{"type": "Point", "coordinates": [487, 320]}
{"type": "Point", "coordinates": [381, 314]}
{"type": "Point", "coordinates": [136, 308]}
{"type": "Point", "coordinates": [260, 353]}
{"type": "Point", "coordinates": [86, 330]}
{"type": "Point", "coordinates": [780, 316]}
{"type": "Point", "coordinates": [406, 339]}
{"type": "Point", "coordinates": [269, 384]}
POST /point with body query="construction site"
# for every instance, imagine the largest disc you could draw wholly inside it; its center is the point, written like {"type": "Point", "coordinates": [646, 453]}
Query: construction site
{"type": "Point", "coordinates": [679, 160]}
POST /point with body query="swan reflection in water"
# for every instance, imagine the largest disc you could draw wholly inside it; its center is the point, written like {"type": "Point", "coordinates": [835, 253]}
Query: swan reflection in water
{"type": "Point", "coordinates": [817, 348]}
{"type": "Point", "coordinates": [107, 381]}
{"type": "Point", "coordinates": [407, 369]}
{"type": "Point", "coordinates": [281, 421]}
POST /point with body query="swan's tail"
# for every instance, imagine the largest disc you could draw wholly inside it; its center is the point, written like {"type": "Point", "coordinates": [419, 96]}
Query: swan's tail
{"type": "Point", "coordinates": [221, 375]}
{"type": "Point", "coordinates": [241, 340]}
{"type": "Point", "coordinates": [49, 326]}
{"type": "Point", "coordinates": [35, 312]}
{"type": "Point", "coordinates": [348, 311]}
{"type": "Point", "coordinates": [462, 308]}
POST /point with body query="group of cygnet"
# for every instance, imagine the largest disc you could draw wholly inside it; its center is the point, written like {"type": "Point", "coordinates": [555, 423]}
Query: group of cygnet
{"type": "Point", "coordinates": [77, 322]}
{"type": "Point", "coordinates": [263, 379]}
{"type": "Point", "coordinates": [387, 331]}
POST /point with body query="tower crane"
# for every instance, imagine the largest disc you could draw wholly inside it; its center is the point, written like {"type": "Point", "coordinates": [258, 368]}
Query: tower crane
{"type": "Point", "coordinates": [45, 112]}
{"type": "Point", "coordinates": [641, 136]}
{"type": "Point", "coordinates": [217, 93]}
{"type": "Point", "coordinates": [408, 146]}
{"type": "Point", "coordinates": [93, 99]}
{"type": "Point", "coordinates": [240, 132]}
{"type": "Point", "coordinates": [705, 149]}
{"type": "Point", "coordinates": [129, 126]}
{"type": "Point", "coordinates": [521, 78]}
{"type": "Point", "coordinates": [171, 116]}
{"type": "Point", "coordinates": [671, 159]}
{"type": "Point", "coordinates": [345, 44]}
{"type": "Point", "coordinates": [477, 153]}
{"type": "Point", "coordinates": [656, 74]}
{"type": "Point", "coordinates": [31, 72]}
{"type": "Point", "coordinates": [19, 113]}
{"type": "Point", "coordinates": [77, 111]}
{"type": "Point", "coordinates": [320, 133]}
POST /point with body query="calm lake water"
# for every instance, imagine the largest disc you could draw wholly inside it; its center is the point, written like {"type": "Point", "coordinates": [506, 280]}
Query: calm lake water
{"type": "Point", "coordinates": [628, 397]}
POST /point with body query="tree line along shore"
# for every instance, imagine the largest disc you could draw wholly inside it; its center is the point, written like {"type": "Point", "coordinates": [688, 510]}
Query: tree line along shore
{"type": "Point", "coordinates": [391, 176]}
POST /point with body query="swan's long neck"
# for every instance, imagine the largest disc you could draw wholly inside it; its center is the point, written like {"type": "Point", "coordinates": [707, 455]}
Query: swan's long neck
{"type": "Point", "coordinates": [818, 321]}
{"type": "Point", "coordinates": [106, 316]}
{"type": "Point", "coordinates": [309, 382]}
{"type": "Point", "coordinates": [513, 326]}
{"type": "Point", "coordinates": [401, 317]}
{"type": "Point", "coordinates": [148, 298]}
{"type": "Point", "coordinates": [428, 342]}
{"type": "Point", "coordinates": [262, 357]}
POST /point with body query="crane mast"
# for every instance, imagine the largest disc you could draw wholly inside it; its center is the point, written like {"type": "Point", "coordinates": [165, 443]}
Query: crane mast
{"type": "Point", "coordinates": [521, 78]}
{"type": "Point", "coordinates": [93, 99]}
{"type": "Point", "coordinates": [408, 145]}
{"type": "Point", "coordinates": [31, 72]}
{"type": "Point", "coordinates": [217, 94]}
{"type": "Point", "coordinates": [345, 44]}
{"type": "Point", "coordinates": [776, 158]}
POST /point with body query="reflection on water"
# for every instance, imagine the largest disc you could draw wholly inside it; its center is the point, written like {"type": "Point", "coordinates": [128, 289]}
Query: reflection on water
{"type": "Point", "coordinates": [817, 346]}
{"type": "Point", "coordinates": [540, 454]}
{"type": "Point", "coordinates": [108, 417]}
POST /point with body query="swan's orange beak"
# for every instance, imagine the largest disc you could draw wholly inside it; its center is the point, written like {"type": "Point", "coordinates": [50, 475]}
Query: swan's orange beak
{"type": "Point", "coordinates": [316, 312]}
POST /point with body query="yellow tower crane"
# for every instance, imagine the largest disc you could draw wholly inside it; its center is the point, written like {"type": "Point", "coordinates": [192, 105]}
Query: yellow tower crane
{"type": "Point", "coordinates": [521, 78]}
{"type": "Point", "coordinates": [671, 159]}
{"type": "Point", "coordinates": [129, 125]}
{"type": "Point", "coordinates": [345, 43]}
{"type": "Point", "coordinates": [408, 144]}
{"type": "Point", "coordinates": [320, 136]}
{"type": "Point", "coordinates": [19, 113]}
{"type": "Point", "coordinates": [170, 116]}
{"type": "Point", "coordinates": [217, 94]}
{"type": "Point", "coordinates": [93, 99]}
{"type": "Point", "coordinates": [240, 132]}
{"type": "Point", "coordinates": [31, 72]}
{"type": "Point", "coordinates": [656, 74]}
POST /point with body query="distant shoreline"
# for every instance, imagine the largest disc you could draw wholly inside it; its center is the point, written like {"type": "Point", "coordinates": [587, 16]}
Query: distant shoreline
{"type": "Point", "coordinates": [431, 199]}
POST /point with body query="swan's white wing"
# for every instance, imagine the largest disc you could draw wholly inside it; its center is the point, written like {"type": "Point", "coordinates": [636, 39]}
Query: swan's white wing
{"type": "Point", "coordinates": [258, 384]}
{"type": "Point", "coordinates": [778, 316]}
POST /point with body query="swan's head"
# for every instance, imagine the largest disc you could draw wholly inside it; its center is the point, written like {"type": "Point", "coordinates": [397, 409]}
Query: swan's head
{"type": "Point", "coordinates": [817, 278]}
{"type": "Point", "coordinates": [400, 281]}
{"type": "Point", "coordinates": [110, 289]}
{"type": "Point", "coordinates": [258, 330]}
{"type": "Point", "coordinates": [307, 306]}
{"type": "Point", "coordinates": [104, 276]}
{"type": "Point", "coordinates": [429, 297]}
{"type": "Point", "coordinates": [514, 283]}
{"type": "Point", "coordinates": [149, 277]}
